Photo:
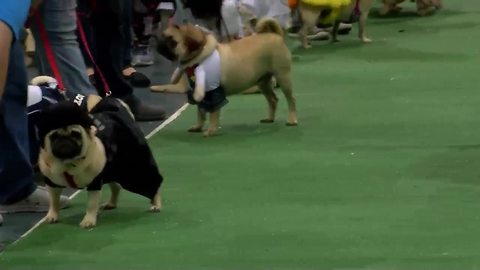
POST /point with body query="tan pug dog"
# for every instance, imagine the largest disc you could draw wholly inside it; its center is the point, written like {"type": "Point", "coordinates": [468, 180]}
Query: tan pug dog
{"type": "Point", "coordinates": [241, 64]}
{"type": "Point", "coordinates": [423, 6]}
{"type": "Point", "coordinates": [82, 150]}
{"type": "Point", "coordinates": [356, 10]}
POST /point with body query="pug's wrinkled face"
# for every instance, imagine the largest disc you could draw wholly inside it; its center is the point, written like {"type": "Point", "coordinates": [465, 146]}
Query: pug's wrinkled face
{"type": "Point", "coordinates": [69, 143]}
{"type": "Point", "coordinates": [181, 42]}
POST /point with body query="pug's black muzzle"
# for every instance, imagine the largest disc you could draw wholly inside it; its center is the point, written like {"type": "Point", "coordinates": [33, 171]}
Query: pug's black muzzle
{"type": "Point", "coordinates": [166, 47]}
{"type": "Point", "coordinates": [65, 147]}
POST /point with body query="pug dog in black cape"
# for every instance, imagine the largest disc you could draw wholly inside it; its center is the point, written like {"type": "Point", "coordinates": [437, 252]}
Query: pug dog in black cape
{"type": "Point", "coordinates": [86, 150]}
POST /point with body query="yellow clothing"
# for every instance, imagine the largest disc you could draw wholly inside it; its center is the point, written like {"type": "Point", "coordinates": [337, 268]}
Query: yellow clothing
{"type": "Point", "coordinates": [330, 3]}
{"type": "Point", "coordinates": [336, 7]}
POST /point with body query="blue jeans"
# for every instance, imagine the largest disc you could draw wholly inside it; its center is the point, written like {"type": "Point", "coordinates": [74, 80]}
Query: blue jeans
{"type": "Point", "coordinates": [60, 22]}
{"type": "Point", "coordinates": [16, 174]}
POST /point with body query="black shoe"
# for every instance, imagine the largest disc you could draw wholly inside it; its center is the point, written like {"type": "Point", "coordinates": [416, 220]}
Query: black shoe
{"type": "Point", "coordinates": [138, 79]}
{"type": "Point", "coordinates": [143, 111]}
{"type": "Point", "coordinates": [344, 31]}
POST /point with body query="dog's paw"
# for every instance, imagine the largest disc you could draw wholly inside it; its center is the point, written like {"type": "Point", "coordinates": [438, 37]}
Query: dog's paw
{"type": "Point", "coordinates": [88, 222]}
{"type": "Point", "coordinates": [196, 129]}
{"type": "Point", "coordinates": [156, 203]}
{"type": "Point", "coordinates": [267, 121]}
{"type": "Point", "coordinates": [108, 206]}
{"type": "Point", "coordinates": [158, 88]}
{"type": "Point", "coordinates": [307, 46]}
{"type": "Point", "coordinates": [198, 96]}
{"type": "Point", "coordinates": [209, 133]}
{"type": "Point", "coordinates": [51, 217]}
{"type": "Point", "coordinates": [384, 11]}
{"type": "Point", "coordinates": [365, 40]}
{"type": "Point", "coordinates": [43, 80]}
{"type": "Point", "coordinates": [292, 120]}
{"type": "Point", "coordinates": [155, 208]}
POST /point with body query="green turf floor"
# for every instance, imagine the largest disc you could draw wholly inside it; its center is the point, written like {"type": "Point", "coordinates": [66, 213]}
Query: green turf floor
{"type": "Point", "coordinates": [382, 173]}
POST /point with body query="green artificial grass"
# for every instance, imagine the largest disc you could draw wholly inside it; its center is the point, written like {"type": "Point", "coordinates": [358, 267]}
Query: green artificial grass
{"type": "Point", "coordinates": [381, 173]}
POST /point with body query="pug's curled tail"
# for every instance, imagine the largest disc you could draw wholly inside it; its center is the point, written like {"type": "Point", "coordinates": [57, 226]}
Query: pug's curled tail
{"type": "Point", "coordinates": [269, 25]}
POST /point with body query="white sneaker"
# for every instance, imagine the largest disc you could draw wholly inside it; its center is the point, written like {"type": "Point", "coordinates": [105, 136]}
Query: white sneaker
{"type": "Point", "coordinates": [37, 202]}
{"type": "Point", "coordinates": [316, 34]}
{"type": "Point", "coordinates": [343, 27]}
{"type": "Point", "coordinates": [142, 55]}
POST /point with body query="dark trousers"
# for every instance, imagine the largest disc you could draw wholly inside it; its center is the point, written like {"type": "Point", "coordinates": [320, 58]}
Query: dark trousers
{"type": "Point", "coordinates": [110, 41]}
{"type": "Point", "coordinates": [16, 174]}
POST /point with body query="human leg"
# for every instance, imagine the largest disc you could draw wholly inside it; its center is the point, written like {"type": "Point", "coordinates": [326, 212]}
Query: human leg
{"type": "Point", "coordinates": [108, 21]}
{"type": "Point", "coordinates": [18, 191]}
{"type": "Point", "coordinates": [59, 21]}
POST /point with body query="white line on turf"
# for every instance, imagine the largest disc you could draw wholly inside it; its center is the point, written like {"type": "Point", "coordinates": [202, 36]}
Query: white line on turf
{"type": "Point", "coordinates": [168, 121]}
{"type": "Point", "coordinates": [151, 134]}
{"type": "Point", "coordinates": [41, 221]}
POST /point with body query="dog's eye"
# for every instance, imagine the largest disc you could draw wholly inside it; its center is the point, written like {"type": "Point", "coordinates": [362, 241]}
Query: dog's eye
{"type": "Point", "coordinates": [75, 134]}
{"type": "Point", "coordinates": [171, 43]}
{"type": "Point", "coordinates": [54, 136]}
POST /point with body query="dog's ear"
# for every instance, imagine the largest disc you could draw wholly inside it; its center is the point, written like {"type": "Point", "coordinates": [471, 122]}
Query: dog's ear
{"type": "Point", "coordinates": [194, 38]}
{"type": "Point", "coordinates": [62, 115]}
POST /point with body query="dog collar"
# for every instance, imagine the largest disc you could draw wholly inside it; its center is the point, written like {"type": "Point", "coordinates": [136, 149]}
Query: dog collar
{"type": "Point", "coordinates": [186, 61]}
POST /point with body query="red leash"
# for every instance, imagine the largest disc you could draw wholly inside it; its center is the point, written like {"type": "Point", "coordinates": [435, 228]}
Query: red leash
{"type": "Point", "coordinates": [49, 51]}
{"type": "Point", "coordinates": [83, 38]}
{"type": "Point", "coordinates": [51, 56]}
{"type": "Point", "coordinates": [357, 7]}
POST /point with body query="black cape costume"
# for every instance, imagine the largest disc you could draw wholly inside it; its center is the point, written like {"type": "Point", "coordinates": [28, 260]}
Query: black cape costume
{"type": "Point", "coordinates": [130, 162]}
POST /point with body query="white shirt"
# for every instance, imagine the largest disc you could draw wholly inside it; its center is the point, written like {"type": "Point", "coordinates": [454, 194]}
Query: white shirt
{"type": "Point", "coordinates": [209, 72]}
